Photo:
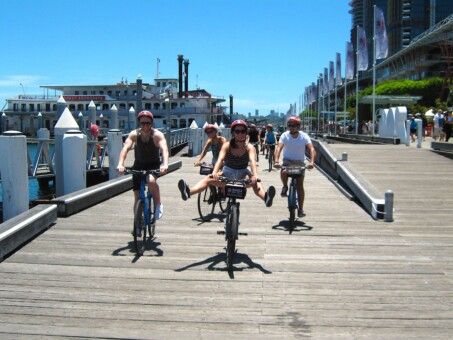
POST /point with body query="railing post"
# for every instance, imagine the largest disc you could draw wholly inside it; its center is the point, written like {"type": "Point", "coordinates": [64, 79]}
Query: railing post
{"type": "Point", "coordinates": [65, 123]}
{"type": "Point", "coordinates": [14, 171]}
{"type": "Point", "coordinates": [388, 206]}
{"type": "Point", "coordinates": [419, 133]}
{"type": "Point", "coordinates": [115, 144]}
{"type": "Point", "coordinates": [74, 146]}
{"type": "Point", "coordinates": [113, 117]}
{"type": "Point", "coordinates": [408, 132]}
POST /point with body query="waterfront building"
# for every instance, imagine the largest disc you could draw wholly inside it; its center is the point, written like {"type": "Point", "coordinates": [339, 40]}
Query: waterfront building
{"type": "Point", "coordinates": [185, 105]}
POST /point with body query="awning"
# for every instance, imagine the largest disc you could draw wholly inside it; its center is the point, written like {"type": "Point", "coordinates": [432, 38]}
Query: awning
{"type": "Point", "coordinates": [390, 100]}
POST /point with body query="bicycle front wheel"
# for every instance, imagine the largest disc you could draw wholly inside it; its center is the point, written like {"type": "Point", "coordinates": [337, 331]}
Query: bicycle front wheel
{"type": "Point", "coordinates": [206, 202]}
{"type": "Point", "coordinates": [152, 218]}
{"type": "Point", "coordinates": [292, 206]}
{"type": "Point", "coordinates": [271, 160]}
{"type": "Point", "coordinates": [139, 227]}
{"type": "Point", "coordinates": [231, 232]}
{"type": "Point", "coordinates": [221, 200]}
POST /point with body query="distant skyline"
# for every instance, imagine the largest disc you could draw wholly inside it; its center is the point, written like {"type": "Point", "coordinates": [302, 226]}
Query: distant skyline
{"type": "Point", "coordinates": [263, 52]}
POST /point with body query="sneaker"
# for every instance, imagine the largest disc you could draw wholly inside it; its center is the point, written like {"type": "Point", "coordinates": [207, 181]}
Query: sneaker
{"type": "Point", "coordinates": [269, 196]}
{"type": "Point", "coordinates": [284, 191]}
{"type": "Point", "coordinates": [184, 188]}
{"type": "Point", "coordinates": [267, 157]}
{"type": "Point", "coordinates": [159, 211]}
{"type": "Point", "coordinates": [300, 213]}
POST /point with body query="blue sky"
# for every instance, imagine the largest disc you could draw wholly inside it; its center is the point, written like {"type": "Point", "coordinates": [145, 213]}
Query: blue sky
{"type": "Point", "coordinates": [263, 52]}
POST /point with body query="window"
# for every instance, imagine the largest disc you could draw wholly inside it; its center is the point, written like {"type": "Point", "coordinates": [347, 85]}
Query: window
{"type": "Point", "coordinates": [156, 106]}
{"type": "Point", "coordinates": [80, 107]}
{"type": "Point", "coordinates": [76, 93]}
{"type": "Point", "coordinates": [85, 93]}
{"type": "Point", "coordinates": [148, 106]}
{"type": "Point", "coordinates": [182, 123]}
{"type": "Point", "coordinates": [32, 107]}
{"type": "Point", "coordinates": [71, 107]}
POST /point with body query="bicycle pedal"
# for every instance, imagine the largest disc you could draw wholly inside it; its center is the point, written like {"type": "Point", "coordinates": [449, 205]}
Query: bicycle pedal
{"type": "Point", "coordinates": [220, 232]}
{"type": "Point", "coordinates": [243, 234]}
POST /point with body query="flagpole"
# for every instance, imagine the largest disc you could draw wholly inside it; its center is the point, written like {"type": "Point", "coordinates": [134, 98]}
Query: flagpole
{"type": "Point", "coordinates": [374, 70]}
{"type": "Point", "coordinates": [357, 84]}
{"type": "Point", "coordinates": [344, 104]}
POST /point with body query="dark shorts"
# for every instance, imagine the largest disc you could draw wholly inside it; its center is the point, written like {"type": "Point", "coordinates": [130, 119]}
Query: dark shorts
{"type": "Point", "coordinates": [136, 180]}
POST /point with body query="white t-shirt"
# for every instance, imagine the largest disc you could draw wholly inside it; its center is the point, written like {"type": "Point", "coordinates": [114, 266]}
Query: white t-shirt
{"type": "Point", "coordinates": [294, 148]}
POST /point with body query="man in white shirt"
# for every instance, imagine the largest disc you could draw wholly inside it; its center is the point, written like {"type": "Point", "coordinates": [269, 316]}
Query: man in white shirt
{"type": "Point", "coordinates": [438, 121]}
{"type": "Point", "coordinates": [293, 143]}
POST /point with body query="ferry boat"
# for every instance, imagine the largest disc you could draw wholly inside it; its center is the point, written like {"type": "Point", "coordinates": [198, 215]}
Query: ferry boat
{"type": "Point", "coordinates": [128, 99]}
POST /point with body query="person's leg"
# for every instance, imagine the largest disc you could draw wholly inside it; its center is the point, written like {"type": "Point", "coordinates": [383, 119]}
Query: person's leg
{"type": "Point", "coordinates": [187, 192]}
{"type": "Point", "coordinates": [284, 179]}
{"type": "Point", "coordinates": [154, 188]}
{"type": "Point", "coordinates": [300, 191]}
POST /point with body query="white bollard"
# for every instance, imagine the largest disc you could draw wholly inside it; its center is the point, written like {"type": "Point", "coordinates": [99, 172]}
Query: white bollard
{"type": "Point", "coordinates": [408, 132]}
{"type": "Point", "coordinates": [132, 122]}
{"type": "Point", "coordinates": [91, 113]}
{"type": "Point", "coordinates": [115, 144]}
{"type": "Point", "coordinates": [3, 122]}
{"type": "Point", "coordinates": [74, 145]}
{"type": "Point", "coordinates": [13, 168]}
{"type": "Point", "coordinates": [64, 124]}
{"type": "Point", "coordinates": [388, 207]}
{"type": "Point", "coordinates": [113, 117]}
{"type": "Point", "coordinates": [419, 133]}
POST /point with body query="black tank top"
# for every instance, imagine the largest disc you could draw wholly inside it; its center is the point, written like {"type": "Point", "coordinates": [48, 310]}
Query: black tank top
{"type": "Point", "coordinates": [235, 162]}
{"type": "Point", "coordinates": [146, 154]}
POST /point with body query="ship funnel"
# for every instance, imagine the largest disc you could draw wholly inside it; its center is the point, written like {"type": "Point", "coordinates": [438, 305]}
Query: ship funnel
{"type": "Point", "coordinates": [180, 60]}
{"type": "Point", "coordinates": [186, 77]}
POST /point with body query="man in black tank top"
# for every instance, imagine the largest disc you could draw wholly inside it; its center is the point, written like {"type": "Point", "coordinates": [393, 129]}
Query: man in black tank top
{"type": "Point", "coordinates": [148, 143]}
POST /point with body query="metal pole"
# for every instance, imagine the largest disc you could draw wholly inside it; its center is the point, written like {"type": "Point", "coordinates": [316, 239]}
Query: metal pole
{"type": "Point", "coordinates": [168, 127]}
{"type": "Point", "coordinates": [374, 68]}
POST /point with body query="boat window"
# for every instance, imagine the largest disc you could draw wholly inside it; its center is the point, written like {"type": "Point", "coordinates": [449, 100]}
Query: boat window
{"type": "Point", "coordinates": [93, 92]}
{"type": "Point", "coordinates": [190, 121]}
{"type": "Point", "coordinates": [122, 106]}
{"type": "Point", "coordinates": [109, 93]}
{"type": "Point", "coordinates": [156, 106]}
{"type": "Point", "coordinates": [80, 107]}
{"type": "Point", "coordinates": [85, 93]}
{"type": "Point", "coordinates": [174, 123]}
{"type": "Point", "coordinates": [38, 107]}
{"type": "Point", "coordinates": [32, 107]}
{"type": "Point", "coordinates": [47, 107]}
{"type": "Point", "coordinates": [148, 106]}
{"type": "Point", "coordinates": [182, 123]}
{"type": "Point", "coordinates": [182, 104]}
{"type": "Point", "coordinates": [174, 106]}
{"type": "Point", "coordinates": [105, 106]}
{"type": "Point", "coordinates": [76, 93]}
{"type": "Point", "coordinates": [71, 107]}
{"type": "Point", "coordinates": [101, 92]}
{"type": "Point", "coordinates": [23, 107]}
{"type": "Point", "coordinates": [54, 107]}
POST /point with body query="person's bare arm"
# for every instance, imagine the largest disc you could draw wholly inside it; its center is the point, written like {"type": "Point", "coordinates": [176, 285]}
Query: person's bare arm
{"type": "Point", "coordinates": [161, 143]}
{"type": "Point", "coordinates": [131, 139]}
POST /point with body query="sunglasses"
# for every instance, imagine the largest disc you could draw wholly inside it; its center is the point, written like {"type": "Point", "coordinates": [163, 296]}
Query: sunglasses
{"type": "Point", "coordinates": [240, 131]}
{"type": "Point", "coordinates": [145, 123]}
{"type": "Point", "coordinates": [292, 125]}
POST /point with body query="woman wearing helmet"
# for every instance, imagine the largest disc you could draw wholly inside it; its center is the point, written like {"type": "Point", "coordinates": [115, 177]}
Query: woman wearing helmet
{"type": "Point", "coordinates": [214, 142]}
{"type": "Point", "coordinates": [148, 143]}
{"type": "Point", "coordinates": [293, 143]}
{"type": "Point", "coordinates": [235, 156]}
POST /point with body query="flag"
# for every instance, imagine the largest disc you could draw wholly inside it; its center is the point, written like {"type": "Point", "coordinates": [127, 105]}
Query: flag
{"type": "Point", "coordinates": [349, 68]}
{"type": "Point", "coordinates": [338, 70]}
{"type": "Point", "coordinates": [326, 81]}
{"type": "Point", "coordinates": [362, 50]}
{"type": "Point", "coordinates": [380, 34]}
{"type": "Point", "coordinates": [331, 76]}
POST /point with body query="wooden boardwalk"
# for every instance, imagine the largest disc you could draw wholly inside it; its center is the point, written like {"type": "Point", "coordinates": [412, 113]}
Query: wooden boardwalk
{"type": "Point", "coordinates": [340, 274]}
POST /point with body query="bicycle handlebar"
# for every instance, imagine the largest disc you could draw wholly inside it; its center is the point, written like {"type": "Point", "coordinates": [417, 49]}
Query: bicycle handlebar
{"type": "Point", "coordinates": [142, 172]}
{"type": "Point", "coordinates": [245, 181]}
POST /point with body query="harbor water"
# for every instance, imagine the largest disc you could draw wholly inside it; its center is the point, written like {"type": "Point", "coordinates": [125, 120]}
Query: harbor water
{"type": "Point", "coordinates": [35, 191]}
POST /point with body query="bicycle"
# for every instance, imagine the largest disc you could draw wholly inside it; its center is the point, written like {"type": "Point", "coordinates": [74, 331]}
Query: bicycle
{"type": "Point", "coordinates": [271, 147]}
{"type": "Point", "coordinates": [293, 172]}
{"type": "Point", "coordinates": [209, 197]}
{"type": "Point", "coordinates": [234, 189]}
{"type": "Point", "coordinates": [144, 219]}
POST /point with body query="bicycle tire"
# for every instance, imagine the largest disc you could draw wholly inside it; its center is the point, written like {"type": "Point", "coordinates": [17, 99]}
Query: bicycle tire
{"type": "Point", "coordinates": [271, 157]}
{"type": "Point", "coordinates": [292, 206]}
{"type": "Point", "coordinates": [231, 232]}
{"type": "Point", "coordinates": [139, 226]}
{"type": "Point", "coordinates": [152, 218]}
{"type": "Point", "coordinates": [206, 203]}
{"type": "Point", "coordinates": [221, 200]}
